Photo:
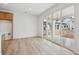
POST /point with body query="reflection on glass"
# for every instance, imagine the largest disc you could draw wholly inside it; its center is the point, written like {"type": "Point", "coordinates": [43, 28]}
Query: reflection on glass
{"type": "Point", "coordinates": [60, 31]}
{"type": "Point", "coordinates": [63, 32]}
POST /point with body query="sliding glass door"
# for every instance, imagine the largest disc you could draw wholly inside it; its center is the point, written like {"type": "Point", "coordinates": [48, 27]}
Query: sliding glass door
{"type": "Point", "coordinates": [59, 28]}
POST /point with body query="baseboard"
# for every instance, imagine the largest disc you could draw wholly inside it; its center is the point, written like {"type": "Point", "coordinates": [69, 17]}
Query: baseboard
{"type": "Point", "coordinates": [29, 37]}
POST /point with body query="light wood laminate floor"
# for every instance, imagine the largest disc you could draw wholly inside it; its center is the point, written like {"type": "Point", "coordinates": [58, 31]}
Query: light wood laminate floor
{"type": "Point", "coordinates": [35, 46]}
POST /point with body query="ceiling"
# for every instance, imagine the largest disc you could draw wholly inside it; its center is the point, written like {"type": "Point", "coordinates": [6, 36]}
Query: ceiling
{"type": "Point", "coordinates": [31, 8]}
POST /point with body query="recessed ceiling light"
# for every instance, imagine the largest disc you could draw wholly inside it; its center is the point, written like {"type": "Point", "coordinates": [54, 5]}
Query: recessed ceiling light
{"type": "Point", "coordinates": [30, 9]}
{"type": "Point", "coordinates": [72, 17]}
{"type": "Point", "coordinates": [45, 20]}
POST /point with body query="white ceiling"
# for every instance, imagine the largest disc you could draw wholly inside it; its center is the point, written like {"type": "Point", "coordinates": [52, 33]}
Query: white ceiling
{"type": "Point", "coordinates": [32, 8]}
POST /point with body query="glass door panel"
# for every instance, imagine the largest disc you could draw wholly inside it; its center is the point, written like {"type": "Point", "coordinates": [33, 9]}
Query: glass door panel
{"type": "Point", "coordinates": [56, 31]}
{"type": "Point", "coordinates": [67, 32]}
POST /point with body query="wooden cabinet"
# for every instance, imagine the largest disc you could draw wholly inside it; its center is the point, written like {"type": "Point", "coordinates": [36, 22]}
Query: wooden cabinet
{"type": "Point", "coordinates": [6, 16]}
{"type": "Point", "coordinates": [1, 15]}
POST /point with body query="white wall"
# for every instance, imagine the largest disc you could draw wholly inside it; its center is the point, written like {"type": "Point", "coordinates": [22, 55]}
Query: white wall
{"type": "Point", "coordinates": [24, 25]}
{"type": "Point", "coordinates": [77, 27]}
{"type": "Point", "coordinates": [40, 26]}
{"type": "Point", "coordinates": [68, 11]}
